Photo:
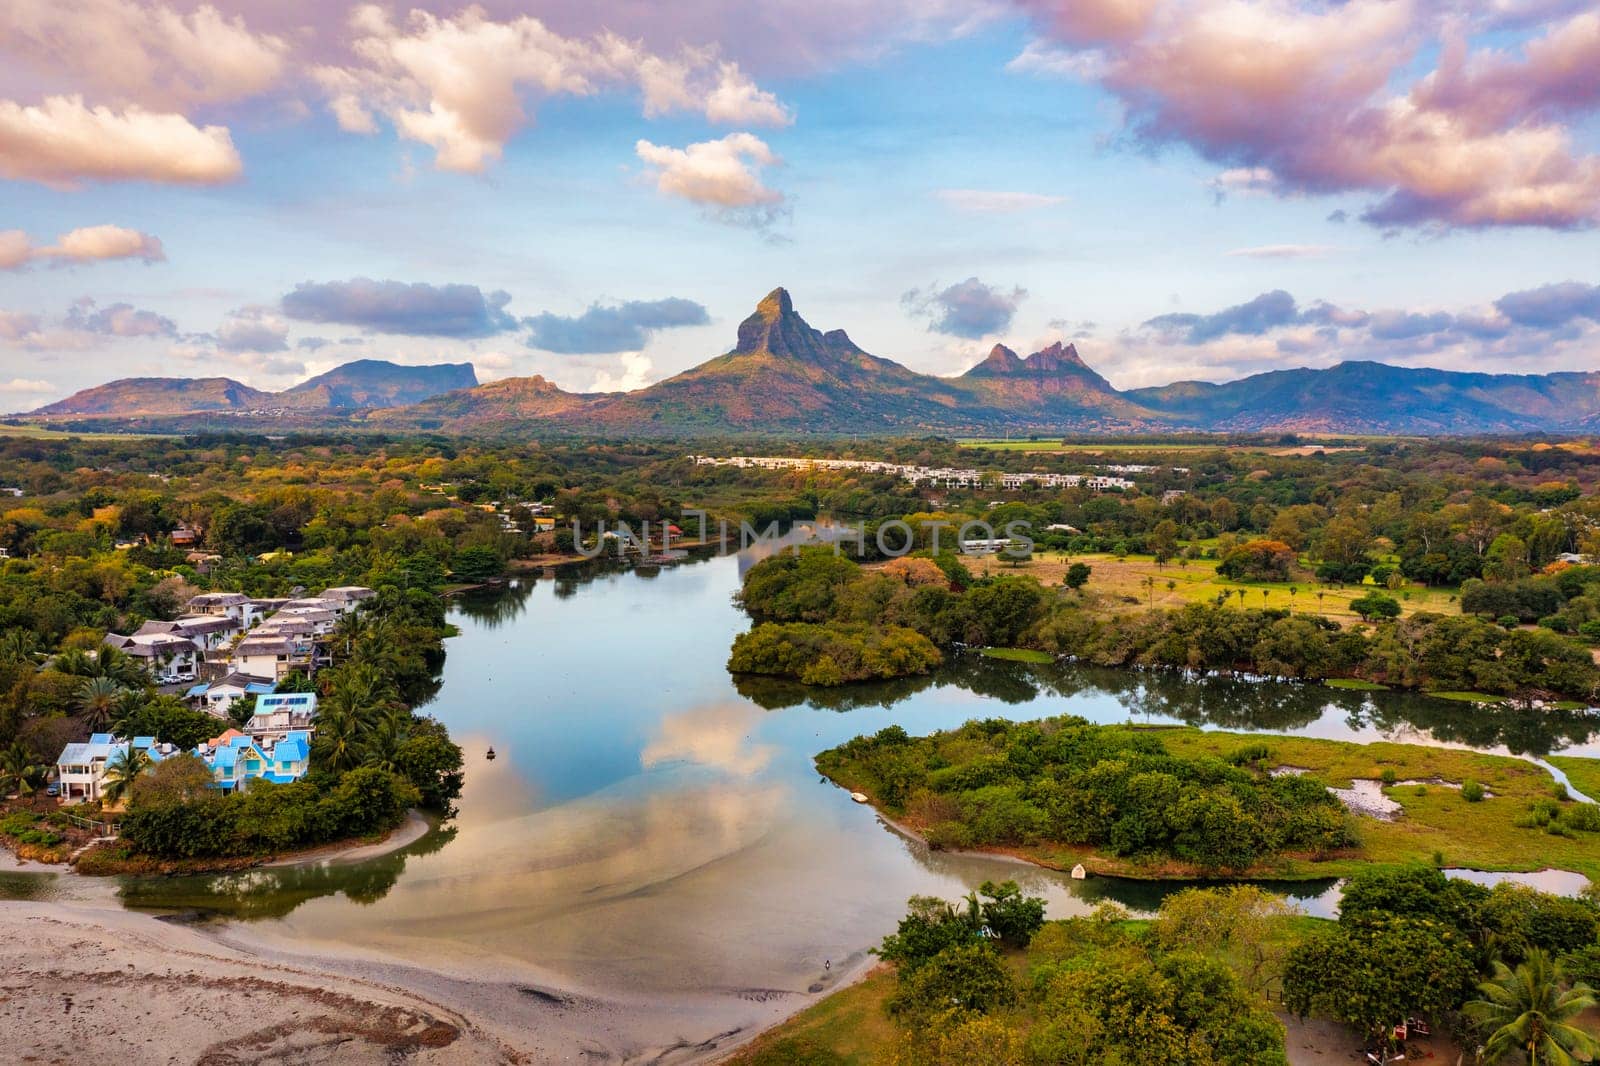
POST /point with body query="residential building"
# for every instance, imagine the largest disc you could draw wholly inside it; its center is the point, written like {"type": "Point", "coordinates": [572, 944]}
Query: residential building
{"type": "Point", "coordinates": [236, 759]}
{"type": "Point", "coordinates": [81, 767]}
{"type": "Point", "coordinates": [281, 713]}
{"type": "Point", "coordinates": [168, 658]}
{"type": "Point", "coordinates": [273, 655]}
{"type": "Point", "coordinates": [235, 605]}
{"type": "Point", "coordinates": [348, 597]}
{"type": "Point", "coordinates": [218, 697]}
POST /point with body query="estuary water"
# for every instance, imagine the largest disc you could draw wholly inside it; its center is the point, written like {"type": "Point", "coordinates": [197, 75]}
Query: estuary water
{"type": "Point", "coordinates": [651, 826]}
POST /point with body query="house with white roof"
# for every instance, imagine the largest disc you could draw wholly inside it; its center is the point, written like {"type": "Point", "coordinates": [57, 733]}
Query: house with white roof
{"type": "Point", "coordinates": [81, 767]}
{"type": "Point", "coordinates": [281, 713]}
{"type": "Point", "coordinates": [167, 657]}
{"type": "Point", "coordinates": [235, 605]}
{"type": "Point", "coordinates": [348, 597]}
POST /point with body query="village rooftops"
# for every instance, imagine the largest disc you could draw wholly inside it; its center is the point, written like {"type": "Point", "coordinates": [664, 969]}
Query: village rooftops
{"type": "Point", "coordinates": [348, 593]}
{"type": "Point", "coordinates": [210, 602]}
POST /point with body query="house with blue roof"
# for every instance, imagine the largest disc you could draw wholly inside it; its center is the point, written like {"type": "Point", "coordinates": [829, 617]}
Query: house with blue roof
{"type": "Point", "coordinates": [218, 697]}
{"type": "Point", "coordinates": [81, 767]}
{"type": "Point", "coordinates": [236, 759]}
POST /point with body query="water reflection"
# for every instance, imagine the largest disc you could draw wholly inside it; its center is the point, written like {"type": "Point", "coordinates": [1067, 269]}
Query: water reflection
{"type": "Point", "coordinates": [275, 891]}
{"type": "Point", "coordinates": [652, 824]}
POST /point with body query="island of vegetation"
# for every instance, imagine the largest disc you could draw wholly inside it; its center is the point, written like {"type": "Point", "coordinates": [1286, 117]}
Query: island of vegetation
{"type": "Point", "coordinates": [1181, 802]}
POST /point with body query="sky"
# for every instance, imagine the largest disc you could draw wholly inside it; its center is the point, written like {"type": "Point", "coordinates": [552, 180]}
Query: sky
{"type": "Point", "coordinates": [598, 191]}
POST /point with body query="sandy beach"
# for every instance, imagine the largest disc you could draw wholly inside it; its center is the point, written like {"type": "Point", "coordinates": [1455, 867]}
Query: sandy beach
{"type": "Point", "coordinates": [87, 979]}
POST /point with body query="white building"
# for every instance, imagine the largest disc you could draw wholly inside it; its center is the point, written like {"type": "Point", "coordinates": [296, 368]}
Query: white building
{"type": "Point", "coordinates": [81, 768]}
{"type": "Point", "coordinates": [281, 713]}
{"type": "Point", "coordinates": [218, 697]}
{"type": "Point", "coordinates": [168, 658]}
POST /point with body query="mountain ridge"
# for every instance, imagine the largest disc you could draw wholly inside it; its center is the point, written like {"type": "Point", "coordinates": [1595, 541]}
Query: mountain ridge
{"type": "Point", "coordinates": [785, 376]}
{"type": "Point", "coordinates": [359, 385]}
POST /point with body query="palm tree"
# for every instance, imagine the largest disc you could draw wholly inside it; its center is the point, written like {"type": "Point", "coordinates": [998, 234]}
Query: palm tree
{"type": "Point", "coordinates": [122, 770]}
{"type": "Point", "coordinates": [98, 698]}
{"type": "Point", "coordinates": [19, 645]}
{"type": "Point", "coordinates": [18, 772]}
{"type": "Point", "coordinates": [380, 745]}
{"type": "Point", "coordinates": [1531, 1010]}
{"type": "Point", "coordinates": [338, 736]}
{"type": "Point", "coordinates": [104, 661]}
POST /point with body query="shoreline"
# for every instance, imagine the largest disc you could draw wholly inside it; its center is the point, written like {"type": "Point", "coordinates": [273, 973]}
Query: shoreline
{"type": "Point", "coordinates": [327, 1003]}
{"type": "Point", "coordinates": [415, 826]}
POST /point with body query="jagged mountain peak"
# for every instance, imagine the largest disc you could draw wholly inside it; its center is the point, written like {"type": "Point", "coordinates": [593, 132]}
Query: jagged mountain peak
{"type": "Point", "coordinates": [1000, 360]}
{"type": "Point", "coordinates": [774, 328]}
{"type": "Point", "coordinates": [1056, 357]}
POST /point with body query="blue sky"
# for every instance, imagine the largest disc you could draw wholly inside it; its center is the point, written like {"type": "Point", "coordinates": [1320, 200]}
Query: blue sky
{"type": "Point", "coordinates": [854, 154]}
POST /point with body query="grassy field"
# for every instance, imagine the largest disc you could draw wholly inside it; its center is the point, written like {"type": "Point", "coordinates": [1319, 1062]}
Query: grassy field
{"type": "Point", "coordinates": [1118, 581]}
{"type": "Point", "coordinates": [1435, 822]}
{"type": "Point", "coordinates": [1054, 446]}
{"type": "Point", "coordinates": [1583, 773]}
{"type": "Point", "coordinates": [40, 433]}
{"type": "Point", "coordinates": [848, 1028]}
{"type": "Point", "coordinates": [1019, 655]}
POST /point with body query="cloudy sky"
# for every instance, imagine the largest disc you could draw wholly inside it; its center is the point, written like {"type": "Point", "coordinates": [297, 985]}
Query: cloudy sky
{"type": "Point", "coordinates": [599, 190]}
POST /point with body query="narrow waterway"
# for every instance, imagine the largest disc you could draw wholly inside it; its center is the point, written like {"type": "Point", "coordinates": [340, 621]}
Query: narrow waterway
{"type": "Point", "coordinates": [651, 827]}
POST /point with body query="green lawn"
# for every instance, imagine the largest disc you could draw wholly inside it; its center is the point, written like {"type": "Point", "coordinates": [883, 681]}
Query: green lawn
{"type": "Point", "coordinates": [848, 1028]}
{"type": "Point", "coordinates": [1120, 585]}
{"type": "Point", "coordinates": [1355, 684]}
{"type": "Point", "coordinates": [42, 433]}
{"type": "Point", "coordinates": [1019, 655]}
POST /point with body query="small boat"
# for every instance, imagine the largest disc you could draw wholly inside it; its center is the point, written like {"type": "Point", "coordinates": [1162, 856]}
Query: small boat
{"type": "Point", "coordinates": [490, 756]}
{"type": "Point", "coordinates": [859, 797]}
{"type": "Point", "coordinates": [1079, 873]}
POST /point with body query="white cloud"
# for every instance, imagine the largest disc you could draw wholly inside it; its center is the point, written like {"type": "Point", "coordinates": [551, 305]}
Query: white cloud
{"type": "Point", "coordinates": [1284, 251]}
{"type": "Point", "coordinates": [995, 201]}
{"type": "Point", "coordinates": [458, 84]}
{"type": "Point", "coordinates": [151, 55]}
{"type": "Point", "coordinates": [27, 386]}
{"type": "Point", "coordinates": [82, 245]}
{"type": "Point", "coordinates": [636, 370]}
{"type": "Point", "coordinates": [722, 176]}
{"type": "Point", "coordinates": [64, 142]}
{"type": "Point", "coordinates": [739, 101]}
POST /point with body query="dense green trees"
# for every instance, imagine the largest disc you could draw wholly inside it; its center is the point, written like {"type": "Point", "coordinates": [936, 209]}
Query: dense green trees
{"type": "Point", "coordinates": [1096, 990]}
{"type": "Point", "coordinates": [1062, 780]}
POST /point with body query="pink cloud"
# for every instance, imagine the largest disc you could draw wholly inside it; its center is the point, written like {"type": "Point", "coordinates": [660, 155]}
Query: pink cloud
{"type": "Point", "coordinates": [1300, 99]}
{"type": "Point", "coordinates": [461, 84]}
{"type": "Point", "coordinates": [64, 142]}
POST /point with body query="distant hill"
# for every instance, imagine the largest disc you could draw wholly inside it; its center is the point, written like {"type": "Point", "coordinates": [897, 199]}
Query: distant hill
{"type": "Point", "coordinates": [160, 396]}
{"type": "Point", "coordinates": [783, 376]}
{"type": "Point", "coordinates": [1368, 397]}
{"type": "Point", "coordinates": [364, 384]}
{"type": "Point", "coordinates": [378, 383]}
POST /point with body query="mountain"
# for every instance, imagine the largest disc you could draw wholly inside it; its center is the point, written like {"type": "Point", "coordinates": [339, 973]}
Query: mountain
{"type": "Point", "coordinates": [499, 405]}
{"type": "Point", "coordinates": [160, 396]}
{"type": "Point", "coordinates": [367, 383]}
{"type": "Point", "coordinates": [1052, 383]}
{"type": "Point", "coordinates": [379, 383]}
{"type": "Point", "coordinates": [784, 376]}
{"type": "Point", "coordinates": [1368, 397]}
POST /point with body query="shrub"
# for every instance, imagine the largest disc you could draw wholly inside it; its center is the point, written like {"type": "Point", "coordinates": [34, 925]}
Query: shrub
{"type": "Point", "coordinates": [1472, 791]}
{"type": "Point", "coordinates": [1584, 817]}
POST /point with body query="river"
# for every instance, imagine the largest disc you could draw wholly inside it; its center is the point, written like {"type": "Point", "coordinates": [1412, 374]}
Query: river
{"type": "Point", "coordinates": [649, 826]}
